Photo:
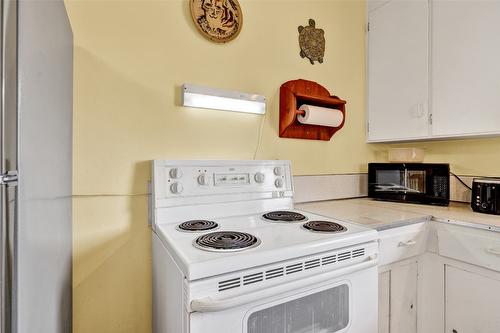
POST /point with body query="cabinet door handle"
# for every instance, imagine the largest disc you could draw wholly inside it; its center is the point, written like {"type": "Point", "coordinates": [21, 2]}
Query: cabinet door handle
{"type": "Point", "coordinates": [408, 243]}
{"type": "Point", "coordinates": [417, 111]}
{"type": "Point", "coordinates": [421, 110]}
{"type": "Point", "coordinates": [493, 251]}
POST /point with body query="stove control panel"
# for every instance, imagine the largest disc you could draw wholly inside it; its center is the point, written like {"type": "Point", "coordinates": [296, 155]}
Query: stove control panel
{"type": "Point", "coordinates": [232, 179]}
{"type": "Point", "coordinates": [176, 179]}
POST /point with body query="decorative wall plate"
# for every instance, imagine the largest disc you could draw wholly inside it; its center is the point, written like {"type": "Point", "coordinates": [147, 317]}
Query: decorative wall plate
{"type": "Point", "coordinates": [312, 42]}
{"type": "Point", "coordinates": [218, 20]}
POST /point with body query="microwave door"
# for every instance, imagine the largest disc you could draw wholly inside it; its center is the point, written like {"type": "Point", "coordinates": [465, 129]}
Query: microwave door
{"type": "Point", "coordinates": [390, 181]}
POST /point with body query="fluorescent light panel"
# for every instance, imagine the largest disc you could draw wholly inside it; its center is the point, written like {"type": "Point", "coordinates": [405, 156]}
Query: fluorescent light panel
{"type": "Point", "coordinates": [219, 99]}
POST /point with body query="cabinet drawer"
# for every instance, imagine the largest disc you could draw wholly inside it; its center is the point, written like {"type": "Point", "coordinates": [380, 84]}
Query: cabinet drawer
{"type": "Point", "coordinates": [474, 246]}
{"type": "Point", "coordinates": [403, 242]}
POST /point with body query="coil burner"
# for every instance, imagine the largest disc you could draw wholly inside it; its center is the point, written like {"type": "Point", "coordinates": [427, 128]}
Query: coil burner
{"type": "Point", "coordinates": [226, 241]}
{"type": "Point", "coordinates": [197, 225]}
{"type": "Point", "coordinates": [324, 226]}
{"type": "Point", "coordinates": [284, 216]}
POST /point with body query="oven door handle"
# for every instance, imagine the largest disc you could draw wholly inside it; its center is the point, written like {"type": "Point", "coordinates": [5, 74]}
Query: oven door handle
{"type": "Point", "coordinates": [214, 304]}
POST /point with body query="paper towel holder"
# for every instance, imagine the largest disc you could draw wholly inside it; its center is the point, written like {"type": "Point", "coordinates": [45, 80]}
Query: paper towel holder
{"type": "Point", "coordinates": [297, 92]}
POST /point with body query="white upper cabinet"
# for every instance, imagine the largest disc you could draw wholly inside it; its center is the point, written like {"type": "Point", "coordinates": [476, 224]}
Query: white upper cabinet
{"type": "Point", "coordinates": [398, 83]}
{"type": "Point", "coordinates": [465, 68]}
{"type": "Point", "coordinates": [433, 69]}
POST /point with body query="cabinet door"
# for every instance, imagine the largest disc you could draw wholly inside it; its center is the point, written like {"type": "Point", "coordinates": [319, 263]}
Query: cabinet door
{"type": "Point", "coordinates": [404, 298]}
{"type": "Point", "coordinates": [465, 67]}
{"type": "Point", "coordinates": [384, 302]}
{"type": "Point", "coordinates": [397, 299]}
{"type": "Point", "coordinates": [398, 71]}
{"type": "Point", "coordinates": [472, 302]}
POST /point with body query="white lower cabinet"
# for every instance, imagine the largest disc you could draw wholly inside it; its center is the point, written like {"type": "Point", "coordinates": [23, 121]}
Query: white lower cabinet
{"type": "Point", "coordinates": [459, 281]}
{"type": "Point", "coordinates": [401, 243]}
{"type": "Point", "coordinates": [398, 277]}
{"type": "Point", "coordinates": [398, 298]}
{"type": "Point", "coordinates": [476, 247]}
{"type": "Point", "coordinates": [447, 280]}
{"type": "Point", "coordinates": [472, 302]}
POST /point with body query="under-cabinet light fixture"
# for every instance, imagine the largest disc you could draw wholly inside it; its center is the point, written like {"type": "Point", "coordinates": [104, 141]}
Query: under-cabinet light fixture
{"type": "Point", "coordinates": [219, 99]}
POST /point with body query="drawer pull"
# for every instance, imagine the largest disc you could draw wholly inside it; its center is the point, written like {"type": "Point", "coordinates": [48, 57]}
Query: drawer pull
{"type": "Point", "coordinates": [493, 251]}
{"type": "Point", "coordinates": [408, 243]}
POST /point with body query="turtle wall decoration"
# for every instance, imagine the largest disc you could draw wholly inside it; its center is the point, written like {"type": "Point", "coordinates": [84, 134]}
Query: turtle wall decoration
{"type": "Point", "coordinates": [312, 42]}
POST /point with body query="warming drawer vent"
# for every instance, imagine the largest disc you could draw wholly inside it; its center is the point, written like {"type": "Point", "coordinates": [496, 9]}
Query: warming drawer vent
{"type": "Point", "coordinates": [274, 273]}
{"type": "Point", "coordinates": [329, 260]}
{"type": "Point", "coordinates": [358, 253]}
{"type": "Point", "coordinates": [229, 284]}
{"type": "Point", "coordinates": [344, 256]}
{"type": "Point", "coordinates": [279, 272]}
{"type": "Point", "coordinates": [295, 268]}
{"type": "Point", "coordinates": [312, 264]}
{"type": "Point", "coordinates": [252, 278]}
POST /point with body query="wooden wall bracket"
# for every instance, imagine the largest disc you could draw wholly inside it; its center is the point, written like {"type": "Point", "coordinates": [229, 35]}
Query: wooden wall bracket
{"type": "Point", "coordinates": [295, 93]}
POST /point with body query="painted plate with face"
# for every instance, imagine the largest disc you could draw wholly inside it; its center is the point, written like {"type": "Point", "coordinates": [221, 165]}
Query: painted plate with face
{"type": "Point", "coordinates": [218, 20]}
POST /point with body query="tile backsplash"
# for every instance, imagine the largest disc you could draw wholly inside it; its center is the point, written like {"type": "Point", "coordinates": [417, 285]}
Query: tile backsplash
{"type": "Point", "coordinates": [345, 186]}
{"type": "Point", "coordinates": [330, 187]}
{"type": "Point", "coordinates": [458, 192]}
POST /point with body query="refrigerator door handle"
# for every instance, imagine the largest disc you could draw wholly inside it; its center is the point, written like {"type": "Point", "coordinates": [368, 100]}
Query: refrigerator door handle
{"type": "Point", "coordinates": [9, 178]}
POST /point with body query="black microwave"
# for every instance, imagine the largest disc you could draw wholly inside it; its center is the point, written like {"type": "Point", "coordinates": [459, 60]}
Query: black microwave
{"type": "Point", "coordinates": [422, 183]}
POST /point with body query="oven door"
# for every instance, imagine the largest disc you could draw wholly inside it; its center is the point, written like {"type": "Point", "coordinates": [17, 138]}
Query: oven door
{"type": "Point", "coordinates": [327, 303]}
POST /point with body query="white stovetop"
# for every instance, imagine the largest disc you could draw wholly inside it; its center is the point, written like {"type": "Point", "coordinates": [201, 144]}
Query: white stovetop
{"type": "Point", "coordinates": [279, 241]}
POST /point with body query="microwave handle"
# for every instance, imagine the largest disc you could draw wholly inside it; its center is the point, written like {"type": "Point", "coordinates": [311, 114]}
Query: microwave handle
{"type": "Point", "coordinates": [215, 304]}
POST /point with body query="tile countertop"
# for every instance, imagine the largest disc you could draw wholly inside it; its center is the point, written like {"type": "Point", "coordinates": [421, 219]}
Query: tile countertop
{"type": "Point", "coordinates": [384, 215]}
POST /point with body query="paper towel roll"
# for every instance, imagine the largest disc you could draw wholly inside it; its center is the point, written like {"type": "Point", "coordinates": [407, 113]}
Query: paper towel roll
{"type": "Point", "coordinates": [316, 115]}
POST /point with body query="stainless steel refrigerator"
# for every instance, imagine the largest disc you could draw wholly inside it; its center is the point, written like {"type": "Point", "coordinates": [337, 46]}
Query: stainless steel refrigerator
{"type": "Point", "coordinates": [36, 167]}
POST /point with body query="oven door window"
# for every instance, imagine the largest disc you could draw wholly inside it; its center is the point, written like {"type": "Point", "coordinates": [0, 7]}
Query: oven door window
{"type": "Point", "coordinates": [323, 312]}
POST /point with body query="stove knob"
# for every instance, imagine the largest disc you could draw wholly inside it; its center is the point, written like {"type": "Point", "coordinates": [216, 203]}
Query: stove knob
{"type": "Point", "coordinates": [203, 179]}
{"type": "Point", "coordinates": [278, 182]}
{"type": "Point", "coordinates": [176, 188]}
{"type": "Point", "coordinates": [278, 171]}
{"type": "Point", "coordinates": [175, 173]}
{"type": "Point", "coordinates": [259, 177]}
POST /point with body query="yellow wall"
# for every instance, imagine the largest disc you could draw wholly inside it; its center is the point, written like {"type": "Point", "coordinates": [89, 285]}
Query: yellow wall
{"type": "Point", "coordinates": [130, 59]}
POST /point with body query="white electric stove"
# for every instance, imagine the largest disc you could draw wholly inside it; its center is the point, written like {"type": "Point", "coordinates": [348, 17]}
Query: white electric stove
{"type": "Point", "coordinates": [230, 254]}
